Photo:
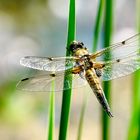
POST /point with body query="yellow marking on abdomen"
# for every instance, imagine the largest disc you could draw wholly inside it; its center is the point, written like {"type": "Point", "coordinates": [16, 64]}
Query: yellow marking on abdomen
{"type": "Point", "coordinates": [92, 79]}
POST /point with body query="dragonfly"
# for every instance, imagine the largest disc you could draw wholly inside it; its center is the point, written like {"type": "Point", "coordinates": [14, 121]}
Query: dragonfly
{"type": "Point", "coordinates": [112, 62]}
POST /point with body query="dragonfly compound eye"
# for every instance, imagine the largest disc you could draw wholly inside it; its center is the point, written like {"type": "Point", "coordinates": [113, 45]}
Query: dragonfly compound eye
{"type": "Point", "coordinates": [76, 45]}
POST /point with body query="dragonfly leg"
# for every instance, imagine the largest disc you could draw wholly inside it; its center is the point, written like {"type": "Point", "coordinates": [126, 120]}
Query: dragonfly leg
{"type": "Point", "coordinates": [98, 65]}
{"type": "Point", "coordinates": [77, 70]}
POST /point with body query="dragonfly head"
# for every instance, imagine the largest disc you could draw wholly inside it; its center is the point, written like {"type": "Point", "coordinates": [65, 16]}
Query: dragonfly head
{"type": "Point", "coordinates": [74, 46]}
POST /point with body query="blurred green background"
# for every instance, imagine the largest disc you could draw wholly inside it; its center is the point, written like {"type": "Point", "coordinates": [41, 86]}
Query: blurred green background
{"type": "Point", "coordinates": [39, 27]}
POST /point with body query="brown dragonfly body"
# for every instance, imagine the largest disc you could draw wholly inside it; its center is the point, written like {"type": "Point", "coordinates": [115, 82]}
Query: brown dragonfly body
{"type": "Point", "coordinates": [115, 61]}
{"type": "Point", "coordinates": [89, 69]}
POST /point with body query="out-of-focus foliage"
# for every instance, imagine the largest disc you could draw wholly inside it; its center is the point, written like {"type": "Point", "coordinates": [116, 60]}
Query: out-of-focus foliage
{"type": "Point", "coordinates": [24, 12]}
{"type": "Point", "coordinates": [39, 27]}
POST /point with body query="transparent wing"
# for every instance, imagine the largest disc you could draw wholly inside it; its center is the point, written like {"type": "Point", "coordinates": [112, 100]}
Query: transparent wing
{"type": "Point", "coordinates": [120, 67]}
{"type": "Point", "coordinates": [48, 64]}
{"type": "Point", "coordinates": [42, 83]}
{"type": "Point", "coordinates": [119, 50]}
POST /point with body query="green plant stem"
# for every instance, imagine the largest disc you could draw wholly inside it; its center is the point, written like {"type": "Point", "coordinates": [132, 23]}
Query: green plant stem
{"type": "Point", "coordinates": [134, 128]}
{"type": "Point", "coordinates": [107, 85]}
{"type": "Point", "coordinates": [51, 114]}
{"type": "Point", "coordinates": [66, 100]}
{"type": "Point", "coordinates": [98, 24]}
{"type": "Point", "coordinates": [81, 121]}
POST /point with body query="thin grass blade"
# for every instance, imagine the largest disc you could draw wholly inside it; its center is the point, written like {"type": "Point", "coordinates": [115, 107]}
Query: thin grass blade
{"type": "Point", "coordinates": [51, 114]}
{"type": "Point", "coordinates": [96, 32]}
{"type": "Point", "coordinates": [107, 85]}
{"type": "Point", "coordinates": [98, 24]}
{"type": "Point", "coordinates": [134, 128]}
{"type": "Point", "coordinates": [81, 121]}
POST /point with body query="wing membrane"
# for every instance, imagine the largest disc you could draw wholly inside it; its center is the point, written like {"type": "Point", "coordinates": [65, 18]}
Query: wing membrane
{"type": "Point", "coordinates": [119, 50]}
{"type": "Point", "coordinates": [120, 67]}
{"type": "Point", "coordinates": [42, 83]}
{"type": "Point", "coordinates": [48, 64]}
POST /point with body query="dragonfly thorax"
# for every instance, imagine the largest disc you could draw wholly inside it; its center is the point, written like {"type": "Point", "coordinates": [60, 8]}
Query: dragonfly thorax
{"type": "Point", "coordinates": [86, 62]}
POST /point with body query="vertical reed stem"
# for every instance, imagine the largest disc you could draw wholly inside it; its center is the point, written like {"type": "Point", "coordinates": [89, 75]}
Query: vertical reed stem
{"type": "Point", "coordinates": [66, 100]}
{"type": "Point", "coordinates": [107, 85]}
{"type": "Point", "coordinates": [134, 128]}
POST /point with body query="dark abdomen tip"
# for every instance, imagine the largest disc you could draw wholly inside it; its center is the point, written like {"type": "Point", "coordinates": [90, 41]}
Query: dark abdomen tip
{"type": "Point", "coordinates": [110, 114]}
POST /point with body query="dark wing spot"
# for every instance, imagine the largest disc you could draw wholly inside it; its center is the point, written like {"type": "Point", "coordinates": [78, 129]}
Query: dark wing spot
{"type": "Point", "coordinates": [123, 42]}
{"type": "Point", "coordinates": [25, 79]}
{"type": "Point", "coordinates": [118, 60]}
{"type": "Point", "coordinates": [103, 65]}
{"type": "Point", "coordinates": [50, 58]}
{"type": "Point", "coordinates": [52, 75]}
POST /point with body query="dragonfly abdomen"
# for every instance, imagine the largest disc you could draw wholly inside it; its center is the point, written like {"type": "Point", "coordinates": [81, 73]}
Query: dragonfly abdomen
{"type": "Point", "coordinates": [93, 81]}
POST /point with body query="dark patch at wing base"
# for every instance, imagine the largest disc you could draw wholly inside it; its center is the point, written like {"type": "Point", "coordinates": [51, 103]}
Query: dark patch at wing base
{"type": "Point", "coordinates": [25, 79]}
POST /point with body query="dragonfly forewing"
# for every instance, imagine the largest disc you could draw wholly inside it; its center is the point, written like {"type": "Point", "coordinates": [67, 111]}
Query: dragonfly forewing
{"type": "Point", "coordinates": [48, 63]}
{"type": "Point", "coordinates": [119, 50]}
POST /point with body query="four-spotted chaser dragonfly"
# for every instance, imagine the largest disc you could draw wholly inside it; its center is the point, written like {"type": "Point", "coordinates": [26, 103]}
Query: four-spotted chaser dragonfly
{"type": "Point", "coordinates": [112, 62]}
